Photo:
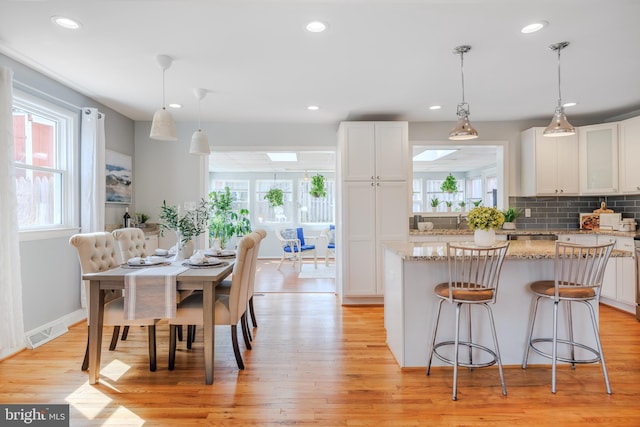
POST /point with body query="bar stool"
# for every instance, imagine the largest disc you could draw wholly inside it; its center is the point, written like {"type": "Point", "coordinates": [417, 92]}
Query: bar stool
{"type": "Point", "coordinates": [578, 273]}
{"type": "Point", "coordinates": [474, 274]}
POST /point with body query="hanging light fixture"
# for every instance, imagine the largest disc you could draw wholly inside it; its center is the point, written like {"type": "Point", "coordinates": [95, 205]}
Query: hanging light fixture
{"type": "Point", "coordinates": [163, 127]}
{"type": "Point", "coordinates": [199, 141]}
{"type": "Point", "coordinates": [306, 177]}
{"type": "Point", "coordinates": [559, 125]}
{"type": "Point", "coordinates": [463, 129]}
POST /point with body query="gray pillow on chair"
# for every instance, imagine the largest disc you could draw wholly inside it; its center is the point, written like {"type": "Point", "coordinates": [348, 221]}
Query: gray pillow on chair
{"type": "Point", "coordinates": [289, 233]}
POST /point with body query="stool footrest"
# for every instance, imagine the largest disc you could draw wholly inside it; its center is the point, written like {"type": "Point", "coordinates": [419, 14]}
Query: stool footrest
{"type": "Point", "coordinates": [542, 353]}
{"type": "Point", "coordinates": [463, 363]}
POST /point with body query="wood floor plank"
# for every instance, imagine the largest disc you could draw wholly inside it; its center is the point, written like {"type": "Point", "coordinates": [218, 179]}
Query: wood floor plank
{"type": "Point", "coordinates": [316, 363]}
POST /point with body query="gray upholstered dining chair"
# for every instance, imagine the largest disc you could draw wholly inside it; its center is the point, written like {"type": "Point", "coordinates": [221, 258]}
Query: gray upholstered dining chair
{"type": "Point", "coordinates": [474, 275]}
{"type": "Point", "coordinates": [229, 309]}
{"type": "Point", "coordinates": [578, 275]}
{"type": "Point", "coordinates": [98, 252]}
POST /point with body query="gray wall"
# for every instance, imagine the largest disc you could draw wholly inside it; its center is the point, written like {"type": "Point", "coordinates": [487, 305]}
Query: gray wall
{"type": "Point", "coordinates": [50, 269]}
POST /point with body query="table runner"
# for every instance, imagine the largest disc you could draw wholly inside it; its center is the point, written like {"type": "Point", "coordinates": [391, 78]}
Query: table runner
{"type": "Point", "coordinates": [151, 293]}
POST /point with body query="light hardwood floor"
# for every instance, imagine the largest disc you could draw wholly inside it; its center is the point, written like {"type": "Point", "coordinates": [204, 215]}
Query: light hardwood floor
{"type": "Point", "coordinates": [317, 363]}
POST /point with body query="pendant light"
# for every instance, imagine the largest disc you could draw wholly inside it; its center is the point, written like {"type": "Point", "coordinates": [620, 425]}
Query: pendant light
{"type": "Point", "coordinates": [463, 129]}
{"type": "Point", "coordinates": [199, 141]}
{"type": "Point", "coordinates": [559, 125]}
{"type": "Point", "coordinates": [163, 127]}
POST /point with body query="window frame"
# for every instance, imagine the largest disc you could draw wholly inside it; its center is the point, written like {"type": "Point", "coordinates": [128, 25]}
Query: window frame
{"type": "Point", "coordinates": [67, 151]}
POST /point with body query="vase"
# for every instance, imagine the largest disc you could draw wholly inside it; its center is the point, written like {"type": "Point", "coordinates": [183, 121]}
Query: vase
{"type": "Point", "coordinates": [183, 250]}
{"type": "Point", "coordinates": [484, 237]}
{"type": "Point", "coordinates": [509, 226]}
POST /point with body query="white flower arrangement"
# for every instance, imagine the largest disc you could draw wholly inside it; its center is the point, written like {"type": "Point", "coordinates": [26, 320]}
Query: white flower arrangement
{"type": "Point", "coordinates": [485, 218]}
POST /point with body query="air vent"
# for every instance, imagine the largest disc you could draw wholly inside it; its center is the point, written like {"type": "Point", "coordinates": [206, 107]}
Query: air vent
{"type": "Point", "coordinates": [45, 334]}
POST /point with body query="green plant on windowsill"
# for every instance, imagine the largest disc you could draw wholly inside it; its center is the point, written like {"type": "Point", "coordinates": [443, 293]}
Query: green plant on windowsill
{"type": "Point", "coordinates": [477, 203]}
{"type": "Point", "coordinates": [275, 197]}
{"type": "Point", "coordinates": [317, 186]}
{"type": "Point", "coordinates": [435, 202]}
{"type": "Point", "coordinates": [450, 184]}
{"type": "Point", "coordinates": [449, 204]}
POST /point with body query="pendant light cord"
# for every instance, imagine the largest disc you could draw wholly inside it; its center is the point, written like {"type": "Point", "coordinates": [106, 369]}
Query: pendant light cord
{"type": "Point", "coordinates": [559, 85]}
{"type": "Point", "coordinates": [163, 101]}
{"type": "Point", "coordinates": [462, 73]}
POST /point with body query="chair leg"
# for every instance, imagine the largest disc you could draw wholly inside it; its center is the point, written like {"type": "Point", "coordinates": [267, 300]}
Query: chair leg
{"type": "Point", "coordinates": [599, 345]}
{"type": "Point", "coordinates": [114, 338]}
{"type": "Point", "coordinates": [281, 261]}
{"type": "Point", "coordinates": [253, 313]}
{"type": "Point", "coordinates": [85, 362]}
{"type": "Point", "coordinates": [456, 343]}
{"type": "Point", "coordinates": [191, 334]}
{"type": "Point", "coordinates": [495, 343]}
{"type": "Point", "coordinates": [315, 259]}
{"type": "Point", "coordinates": [173, 329]}
{"type": "Point", "coordinates": [433, 339]}
{"type": "Point", "coordinates": [179, 332]}
{"type": "Point", "coordinates": [470, 336]}
{"type": "Point", "coordinates": [573, 347]}
{"type": "Point", "coordinates": [125, 333]}
{"type": "Point", "coordinates": [151, 329]}
{"type": "Point", "coordinates": [236, 348]}
{"type": "Point", "coordinates": [554, 349]}
{"type": "Point", "coordinates": [245, 331]}
{"type": "Point", "coordinates": [532, 320]}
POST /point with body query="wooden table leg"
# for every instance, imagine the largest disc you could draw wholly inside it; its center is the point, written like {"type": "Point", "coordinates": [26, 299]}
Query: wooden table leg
{"type": "Point", "coordinates": [96, 316]}
{"type": "Point", "coordinates": [208, 300]}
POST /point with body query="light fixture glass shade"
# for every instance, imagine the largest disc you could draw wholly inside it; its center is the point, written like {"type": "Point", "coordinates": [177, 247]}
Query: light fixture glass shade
{"type": "Point", "coordinates": [163, 127]}
{"type": "Point", "coordinates": [463, 129]}
{"type": "Point", "coordinates": [199, 143]}
{"type": "Point", "coordinates": [559, 125]}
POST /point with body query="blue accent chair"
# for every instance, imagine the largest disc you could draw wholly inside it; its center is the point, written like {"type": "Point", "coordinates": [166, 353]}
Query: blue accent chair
{"type": "Point", "coordinates": [294, 245]}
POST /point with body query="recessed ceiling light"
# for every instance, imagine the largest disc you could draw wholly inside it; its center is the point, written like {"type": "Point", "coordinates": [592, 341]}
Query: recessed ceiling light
{"type": "Point", "coordinates": [313, 108]}
{"type": "Point", "coordinates": [64, 22]}
{"type": "Point", "coordinates": [316, 26]}
{"type": "Point", "coordinates": [435, 107]}
{"type": "Point", "coordinates": [569, 104]}
{"type": "Point", "coordinates": [532, 28]}
{"type": "Point", "coordinates": [283, 157]}
{"type": "Point", "coordinates": [175, 105]}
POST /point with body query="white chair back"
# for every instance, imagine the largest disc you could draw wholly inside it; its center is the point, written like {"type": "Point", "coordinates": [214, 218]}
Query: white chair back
{"type": "Point", "coordinates": [131, 242]}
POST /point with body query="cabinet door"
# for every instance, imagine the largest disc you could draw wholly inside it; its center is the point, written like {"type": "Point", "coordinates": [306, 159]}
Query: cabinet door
{"type": "Point", "coordinates": [627, 280]}
{"type": "Point", "coordinates": [546, 166]}
{"type": "Point", "coordinates": [610, 280]}
{"type": "Point", "coordinates": [567, 165]}
{"type": "Point", "coordinates": [599, 158]}
{"type": "Point", "coordinates": [359, 223]}
{"type": "Point", "coordinates": [392, 151]}
{"type": "Point", "coordinates": [629, 140]}
{"type": "Point", "coordinates": [358, 151]}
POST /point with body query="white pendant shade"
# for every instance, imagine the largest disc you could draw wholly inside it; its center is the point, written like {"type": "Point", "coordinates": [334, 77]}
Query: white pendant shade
{"type": "Point", "coordinates": [163, 127]}
{"type": "Point", "coordinates": [199, 143]}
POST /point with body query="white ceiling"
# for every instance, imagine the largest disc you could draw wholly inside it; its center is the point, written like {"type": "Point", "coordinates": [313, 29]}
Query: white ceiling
{"type": "Point", "coordinates": [384, 59]}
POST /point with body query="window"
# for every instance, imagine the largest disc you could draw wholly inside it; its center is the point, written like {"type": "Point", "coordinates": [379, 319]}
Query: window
{"type": "Point", "coordinates": [239, 189]}
{"type": "Point", "coordinates": [417, 198]}
{"type": "Point", "coordinates": [264, 212]}
{"type": "Point", "coordinates": [44, 149]}
{"type": "Point", "coordinates": [314, 210]}
{"type": "Point", "coordinates": [434, 190]}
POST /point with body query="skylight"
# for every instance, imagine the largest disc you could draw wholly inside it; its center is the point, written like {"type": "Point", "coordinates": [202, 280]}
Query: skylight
{"type": "Point", "coordinates": [431, 155]}
{"type": "Point", "coordinates": [283, 157]}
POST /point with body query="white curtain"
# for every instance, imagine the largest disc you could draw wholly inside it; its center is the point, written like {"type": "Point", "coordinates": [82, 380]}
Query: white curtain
{"type": "Point", "coordinates": [92, 171]}
{"type": "Point", "coordinates": [11, 321]}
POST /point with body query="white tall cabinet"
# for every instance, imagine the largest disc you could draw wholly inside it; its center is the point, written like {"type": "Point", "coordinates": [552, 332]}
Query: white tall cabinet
{"type": "Point", "coordinates": [629, 140]}
{"type": "Point", "coordinates": [374, 174]}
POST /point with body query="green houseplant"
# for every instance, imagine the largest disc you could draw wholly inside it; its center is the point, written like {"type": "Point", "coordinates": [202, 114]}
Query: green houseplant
{"type": "Point", "coordinates": [510, 215]}
{"type": "Point", "coordinates": [449, 185]}
{"type": "Point", "coordinates": [484, 220]}
{"type": "Point", "coordinates": [317, 186]}
{"type": "Point", "coordinates": [275, 197]}
{"type": "Point", "coordinates": [434, 203]}
{"type": "Point", "coordinates": [225, 222]}
{"type": "Point", "coordinates": [187, 225]}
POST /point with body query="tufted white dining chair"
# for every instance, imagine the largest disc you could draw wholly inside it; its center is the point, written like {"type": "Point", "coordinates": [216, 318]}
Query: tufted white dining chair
{"type": "Point", "coordinates": [229, 309]}
{"type": "Point", "coordinates": [98, 252]}
{"type": "Point", "coordinates": [131, 242]}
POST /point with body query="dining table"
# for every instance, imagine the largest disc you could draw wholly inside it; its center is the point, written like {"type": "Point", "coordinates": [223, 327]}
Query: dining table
{"type": "Point", "coordinates": [192, 279]}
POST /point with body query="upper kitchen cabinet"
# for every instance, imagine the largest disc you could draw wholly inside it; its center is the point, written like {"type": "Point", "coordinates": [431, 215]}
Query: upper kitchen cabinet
{"type": "Point", "coordinates": [375, 151]}
{"type": "Point", "coordinates": [598, 158]}
{"type": "Point", "coordinates": [548, 166]}
{"type": "Point", "coordinates": [629, 140]}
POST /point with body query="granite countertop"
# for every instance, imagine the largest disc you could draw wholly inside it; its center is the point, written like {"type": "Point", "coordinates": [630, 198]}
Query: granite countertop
{"type": "Point", "coordinates": [467, 231]}
{"type": "Point", "coordinates": [518, 250]}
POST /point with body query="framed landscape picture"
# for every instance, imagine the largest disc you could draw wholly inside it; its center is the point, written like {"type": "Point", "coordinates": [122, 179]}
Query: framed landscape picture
{"type": "Point", "coordinates": [118, 177]}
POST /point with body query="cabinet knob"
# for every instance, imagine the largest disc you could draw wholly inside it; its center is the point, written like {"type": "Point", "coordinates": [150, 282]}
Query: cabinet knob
{"type": "Point", "coordinates": [378, 177]}
{"type": "Point", "coordinates": [562, 191]}
{"type": "Point", "coordinates": [637, 188]}
{"type": "Point", "coordinates": [556, 190]}
{"type": "Point", "coordinates": [372, 184]}
{"type": "Point", "coordinates": [372, 177]}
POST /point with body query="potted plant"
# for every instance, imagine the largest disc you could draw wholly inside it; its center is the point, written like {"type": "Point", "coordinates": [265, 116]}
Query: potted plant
{"type": "Point", "coordinates": [187, 225]}
{"type": "Point", "coordinates": [463, 206]}
{"type": "Point", "coordinates": [226, 223]}
{"type": "Point", "coordinates": [434, 204]}
{"type": "Point", "coordinates": [510, 216]}
{"type": "Point", "coordinates": [484, 220]}
{"type": "Point", "coordinates": [140, 219]}
{"type": "Point", "coordinates": [449, 205]}
{"type": "Point", "coordinates": [275, 197]}
{"type": "Point", "coordinates": [477, 203]}
{"type": "Point", "coordinates": [317, 186]}
{"type": "Point", "coordinates": [449, 185]}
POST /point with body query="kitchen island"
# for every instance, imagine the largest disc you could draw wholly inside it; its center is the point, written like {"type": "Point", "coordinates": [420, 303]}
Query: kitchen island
{"type": "Point", "coordinates": [412, 270]}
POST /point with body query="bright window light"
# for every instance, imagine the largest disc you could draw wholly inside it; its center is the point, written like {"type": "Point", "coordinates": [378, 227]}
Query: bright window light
{"type": "Point", "coordinates": [431, 155]}
{"type": "Point", "coordinates": [283, 157]}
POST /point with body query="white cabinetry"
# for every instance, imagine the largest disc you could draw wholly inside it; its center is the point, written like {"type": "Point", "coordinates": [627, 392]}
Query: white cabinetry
{"type": "Point", "coordinates": [549, 166]}
{"type": "Point", "coordinates": [374, 173]}
{"type": "Point", "coordinates": [598, 158]}
{"type": "Point", "coordinates": [629, 140]}
{"type": "Point", "coordinates": [618, 285]}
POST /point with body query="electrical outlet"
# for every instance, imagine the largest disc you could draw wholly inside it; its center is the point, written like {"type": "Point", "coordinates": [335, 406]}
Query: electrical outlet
{"type": "Point", "coordinates": [527, 213]}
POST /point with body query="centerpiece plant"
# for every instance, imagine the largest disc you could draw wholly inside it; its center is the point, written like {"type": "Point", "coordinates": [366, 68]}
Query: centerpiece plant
{"type": "Point", "coordinates": [485, 218]}
{"type": "Point", "coordinates": [187, 225]}
{"type": "Point", "coordinates": [225, 222]}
